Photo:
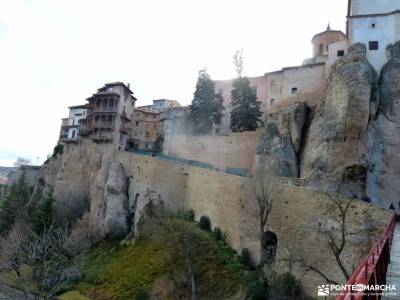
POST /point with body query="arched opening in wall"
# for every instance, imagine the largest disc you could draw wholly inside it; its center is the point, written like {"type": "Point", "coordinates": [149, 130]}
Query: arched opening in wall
{"type": "Point", "coordinates": [269, 245]}
{"type": "Point", "coordinates": [321, 48]}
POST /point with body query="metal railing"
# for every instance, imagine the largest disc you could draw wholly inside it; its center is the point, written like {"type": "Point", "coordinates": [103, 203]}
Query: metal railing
{"type": "Point", "coordinates": [372, 269]}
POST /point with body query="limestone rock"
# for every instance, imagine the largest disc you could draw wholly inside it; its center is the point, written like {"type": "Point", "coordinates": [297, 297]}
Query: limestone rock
{"type": "Point", "coordinates": [281, 140]}
{"type": "Point", "coordinates": [384, 174]}
{"type": "Point", "coordinates": [115, 200]}
{"type": "Point", "coordinates": [335, 157]}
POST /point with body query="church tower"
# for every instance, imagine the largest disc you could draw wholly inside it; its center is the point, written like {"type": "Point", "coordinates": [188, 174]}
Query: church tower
{"type": "Point", "coordinates": [374, 23]}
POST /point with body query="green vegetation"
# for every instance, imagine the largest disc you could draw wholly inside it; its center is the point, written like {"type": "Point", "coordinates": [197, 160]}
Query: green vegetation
{"type": "Point", "coordinates": [205, 223]}
{"type": "Point", "coordinates": [43, 215]}
{"type": "Point", "coordinates": [11, 207]}
{"type": "Point", "coordinates": [246, 113]}
{"type": "Point", "coordinates": [206, 108]}
{"type": "Point", "coordinates": [155, 263]}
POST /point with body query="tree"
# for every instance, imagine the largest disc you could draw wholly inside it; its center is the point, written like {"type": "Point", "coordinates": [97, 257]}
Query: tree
{"type": "Point", "coordinates": [44, 213]}
{"type": "Point", "coordinates": [246, 113]}
{"type": "Point", "coordinates": [338, 228]}
{"type": "Point", "coordinates": [264, 181]}
{"type": "Point", "coordinates": [12, 206]}
{"type": "Point", "coordinates": [21, 161]}
{"type": "Point", "coordinates": [207, 106]}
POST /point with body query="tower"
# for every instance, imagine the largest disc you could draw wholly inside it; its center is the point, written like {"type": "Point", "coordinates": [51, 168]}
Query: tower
{"type": "Point", "coordinates": [374, 23]}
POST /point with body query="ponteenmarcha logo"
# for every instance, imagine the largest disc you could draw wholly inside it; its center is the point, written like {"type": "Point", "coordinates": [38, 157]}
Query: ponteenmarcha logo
{"type": "Point", "coordinates": [323, 290]}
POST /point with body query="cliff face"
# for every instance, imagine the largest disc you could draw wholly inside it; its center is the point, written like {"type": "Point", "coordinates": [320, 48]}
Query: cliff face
{"type": "Point", "coordinates": [384, 173]}
{"type": "Point", "coordinates": [280, 142]}
{"type": "Point", "coordinates": [335, 157]}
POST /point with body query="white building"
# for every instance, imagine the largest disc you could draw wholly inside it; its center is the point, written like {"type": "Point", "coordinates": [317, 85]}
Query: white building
{"type": "Point", "coordinates": [375, 23]}
{"type": "Point", "coordinates": [70, 125]}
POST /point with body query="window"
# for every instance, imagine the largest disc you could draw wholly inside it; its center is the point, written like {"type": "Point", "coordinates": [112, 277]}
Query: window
{"type": "Point", "coordinates": [137, 123]}
{"type": "Point", "coordinates": [272, 102]}
{"type": "Point", "coordinates": [272, 82]}
{"type": "Point", "coordinates": [340, 53]}
{"type": "Point", "coordinates": [154, 116]}
{"type": "Point", "coordinates": [109, 89]}
{"type": "Point", "coordinates": [373, 25]}
{"type": "Point", "coordinates": [73, 134]}
{"type": "Point", "coordinates": [294, 90]}
{"type": "Point", "coordinates": [321, 48]}
{"type": "Point", "coordinates": [147, 134]}
{"type": "Point", "coordinates": [373, 45]}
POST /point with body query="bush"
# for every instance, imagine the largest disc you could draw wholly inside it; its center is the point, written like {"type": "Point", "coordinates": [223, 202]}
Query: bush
{"type": "Point", "coordinates": [288, 285]}
{"type": "Point", "coordinates": [244, 257]}
{"type": "Point", "coordinates": [143, 294]}
{"type": "Point", "coordinates": [256, 291]}
{"type": "Point", "coordinates": [58, 150]}
{"type": "Point", "coordinates": [205, 223]}
{"type": "Point", "coordinates": [218, 234]}
{"type": "Point", "coordinates": [189, 215]}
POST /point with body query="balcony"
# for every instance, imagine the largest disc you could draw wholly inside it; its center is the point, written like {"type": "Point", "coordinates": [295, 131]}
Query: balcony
{"type": "Point", "coordinates": [67, 122]}
{"type": "Point", "coordinates": [103, 125]}
{"type": "Point", "coordinates": [102, 136]}
{"type": "Point", "coordinates": [101, 109]}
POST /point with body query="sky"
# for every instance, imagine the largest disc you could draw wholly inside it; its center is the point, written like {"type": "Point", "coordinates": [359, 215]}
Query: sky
{"type": "Point", "coordinates": [55, 54]}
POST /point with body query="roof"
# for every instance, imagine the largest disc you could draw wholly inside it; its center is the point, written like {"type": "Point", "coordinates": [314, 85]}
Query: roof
{"type": "Point", "coordinates": [295, 67]}
{"type": "Point", "coordinates": [118, 83]}
{"type": "Point", "coordinates": [327, 31]}
{"type": "Point", "coordinates": [375, 15]}
{"type": "Point", "coordinates": [78, 106]}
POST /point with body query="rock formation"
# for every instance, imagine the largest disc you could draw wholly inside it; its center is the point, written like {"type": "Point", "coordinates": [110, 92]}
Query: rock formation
{"type": "Point", "coordinates": [116, 201]}
{"type": "Point", "coordinates": [335, 157]}
{"type": "Point", "coordinates": [384, 174]}
{"type": "Point", "coordinates": [281, 140]}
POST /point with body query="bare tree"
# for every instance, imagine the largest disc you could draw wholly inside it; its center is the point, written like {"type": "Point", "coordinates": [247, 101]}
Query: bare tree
{"type": "Point", "coordinates": [263, 181]}
{"type": "Point", "coordinates": [10, 247]}
{"type": "Point", "coordinates": [336, 231]}
{"type": "Point", "coordinates": [21, 161]}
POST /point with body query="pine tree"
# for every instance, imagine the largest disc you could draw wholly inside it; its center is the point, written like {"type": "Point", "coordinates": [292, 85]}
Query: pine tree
{"type": "Point", "coordinates": [13, 204]}
{"type": "Point", "coordinates": [207, 106]}
{"type": "Point", "coordinates": [43, 215]}
{"type": "Point", "coordinates": [245, 113]}
{"type": "Point", "coordinates": [7, 210]}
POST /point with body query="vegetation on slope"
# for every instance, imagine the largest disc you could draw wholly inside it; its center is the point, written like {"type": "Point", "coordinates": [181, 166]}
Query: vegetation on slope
{"type": "Point", "coordinates": [155, 263]}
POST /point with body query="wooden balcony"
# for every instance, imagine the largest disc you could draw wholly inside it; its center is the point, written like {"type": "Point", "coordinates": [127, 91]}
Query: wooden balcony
{"type": "Point", "coordinates": [102, 136]}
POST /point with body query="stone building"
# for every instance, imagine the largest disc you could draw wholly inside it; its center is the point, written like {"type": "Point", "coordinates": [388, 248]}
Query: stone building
{"type": "Point", "coordinates": [149, 121]}
{"type": "Point", "coordinates": [109, 115]}
{"type": "Point", "coordinates": [376, 24]}
{"type": "Point", "coordinates": [173, 122]}
{"type": "Point", "coordinates": [70, 125]}
{"type": "Point", "coordinates": [146, 128]}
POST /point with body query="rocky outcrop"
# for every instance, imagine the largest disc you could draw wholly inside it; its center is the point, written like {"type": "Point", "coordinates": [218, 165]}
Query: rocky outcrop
{"type": "Point", "coordinates": [384, 173]}
{"type": "Point", "coordinates": [281, 140]}
{"type": "Point", "coordinates": [116, 201]}
{"type": "Point", "coordinates": [335, 157]}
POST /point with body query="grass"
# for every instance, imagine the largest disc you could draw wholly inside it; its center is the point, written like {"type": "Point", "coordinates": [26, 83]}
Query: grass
{"type": "Point", "coordinates": [156, 263]}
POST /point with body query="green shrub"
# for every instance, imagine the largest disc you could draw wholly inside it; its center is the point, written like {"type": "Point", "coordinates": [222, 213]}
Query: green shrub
{"type": "Point", "coordinates": [205, 223]}
{"type": "Point", "coordinates": [218, 234]}
{"type": "Point", "coordinates": [244, 257]}
{"type": "Point", "coordinates": [58, 150]}
{"type": "Point", "coordinates": [189, 215]}
{"type": "Point", "coordinates": [142, 294]}
{"type": "Point", "coordinates": [256, 291]}
{"type": "Point", "coordinates": [288, 285]}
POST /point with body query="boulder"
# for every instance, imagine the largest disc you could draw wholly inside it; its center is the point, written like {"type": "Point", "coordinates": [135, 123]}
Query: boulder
{"type": "Point", "coordinates": [335, 158]}
{"type": "Point", "coordinates": [281, 141]}
{"type": "Point", "coordinates": [115, 201]}
{"type": "Point", "coordinates": [384, 172]}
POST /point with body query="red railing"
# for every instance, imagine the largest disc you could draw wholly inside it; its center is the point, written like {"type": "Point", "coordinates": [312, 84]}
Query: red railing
{"type": "Point", "coordinates": [372, 269]}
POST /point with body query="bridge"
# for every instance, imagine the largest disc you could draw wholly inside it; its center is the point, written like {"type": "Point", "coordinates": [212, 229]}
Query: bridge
{"type": "Point", "coordinates": [380, 267]}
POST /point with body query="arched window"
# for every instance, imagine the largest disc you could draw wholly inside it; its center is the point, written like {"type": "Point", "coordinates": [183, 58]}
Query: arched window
{"type": "Point", "coordinates": [321, 48]}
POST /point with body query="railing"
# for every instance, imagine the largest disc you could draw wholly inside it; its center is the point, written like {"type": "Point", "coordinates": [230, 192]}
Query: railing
{"type": "Point", "coordinates": [372, 270]}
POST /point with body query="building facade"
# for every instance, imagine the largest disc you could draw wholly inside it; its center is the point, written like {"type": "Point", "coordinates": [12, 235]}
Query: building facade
{"type": "Point", "coordinates": [70, 126]}
{"type": "Point", "coordinates": [109, 115]}
{"type": "Point", "coordinates": [375, 24]}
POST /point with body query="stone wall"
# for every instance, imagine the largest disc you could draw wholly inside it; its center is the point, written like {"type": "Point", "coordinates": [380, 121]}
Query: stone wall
{"type": "Point", "coordinates": [296, 217]}
{"type": "Point", "coordinates": [236, 150]}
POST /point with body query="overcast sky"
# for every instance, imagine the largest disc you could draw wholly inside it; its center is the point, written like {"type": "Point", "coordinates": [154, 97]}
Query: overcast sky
{"type": "Point", "coordinates": [54, 54]}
